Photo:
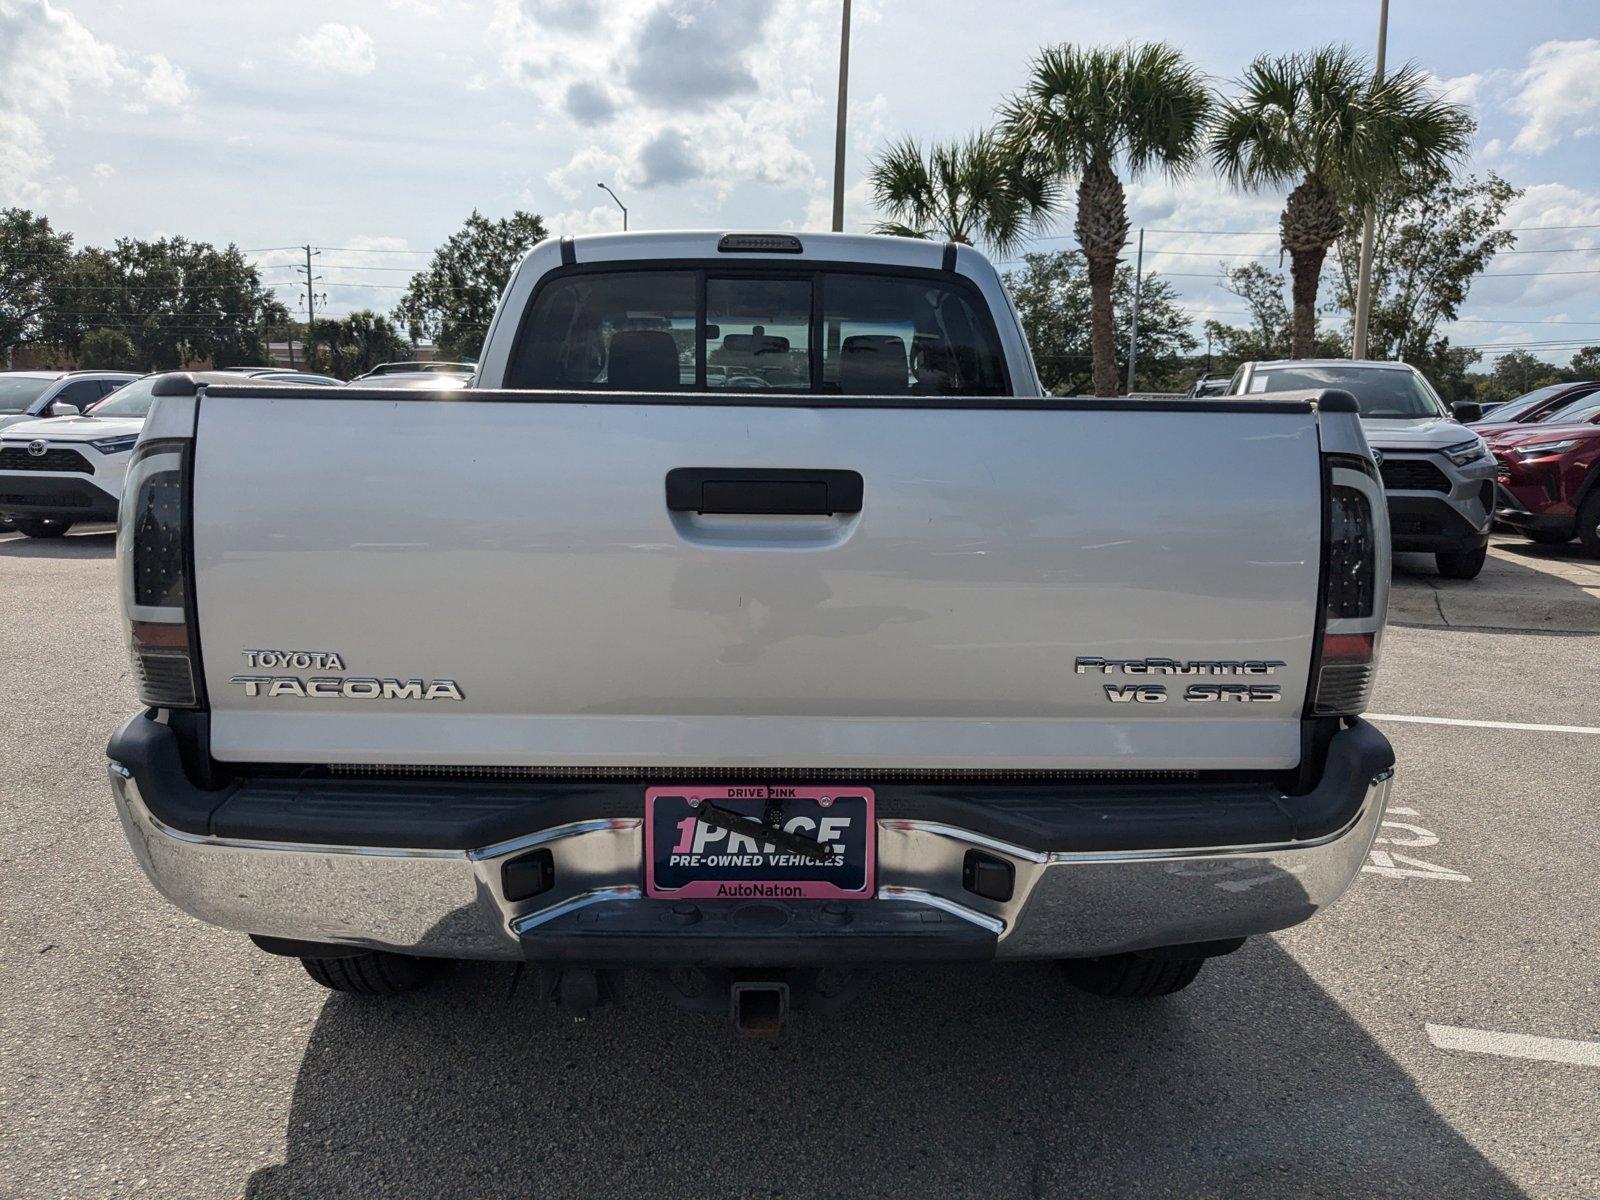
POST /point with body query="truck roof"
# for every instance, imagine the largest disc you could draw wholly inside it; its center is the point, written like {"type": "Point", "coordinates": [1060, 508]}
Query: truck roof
{"type": "Point", "coordinates": [736, 245]}
{"type": "Point", "coordinates": [1374, 363]}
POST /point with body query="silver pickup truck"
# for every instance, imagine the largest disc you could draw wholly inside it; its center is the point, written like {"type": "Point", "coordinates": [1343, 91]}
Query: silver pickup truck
{"type": "Point", "coordinates": [756, 619]}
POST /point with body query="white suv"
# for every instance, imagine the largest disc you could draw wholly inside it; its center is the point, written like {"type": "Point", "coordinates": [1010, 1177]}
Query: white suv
{"type": "Point", "coordinates": [25, 395]}
{"type": "Point", "coordinates": [59, 472]}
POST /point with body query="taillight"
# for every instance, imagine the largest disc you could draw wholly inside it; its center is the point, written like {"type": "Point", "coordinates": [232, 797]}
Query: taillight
{"type": "Point", "coordinates": [1355, 571]}
{"type": "Point", "coordinates": [157, 595]}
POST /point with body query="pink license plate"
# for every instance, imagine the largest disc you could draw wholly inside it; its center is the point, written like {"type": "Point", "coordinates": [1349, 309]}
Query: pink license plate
{"type": "Point", "coordinates": [688, 853]}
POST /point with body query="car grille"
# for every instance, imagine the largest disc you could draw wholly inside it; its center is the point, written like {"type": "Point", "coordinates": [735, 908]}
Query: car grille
{"type": "Point", "coordinates": [17, 458]}
{"type": "Point", "coordinates": [1413, 475]}
{"type": "Point", "coordinates": [71, 497]}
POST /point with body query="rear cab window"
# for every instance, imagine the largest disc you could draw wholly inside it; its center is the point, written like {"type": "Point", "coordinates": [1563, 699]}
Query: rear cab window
{"type": "Point", "coordinates": [807, 330]}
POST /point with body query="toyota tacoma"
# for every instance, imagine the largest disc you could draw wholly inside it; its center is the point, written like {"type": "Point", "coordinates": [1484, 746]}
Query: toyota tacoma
{"type": "Point", "coordinates": [756, 619]}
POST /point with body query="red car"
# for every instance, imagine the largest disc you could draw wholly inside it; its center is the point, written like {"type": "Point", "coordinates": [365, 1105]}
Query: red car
{"type": "Point", "coordinates": [1541, 404]}
{"type": "Point", "coordinates": [1549, 481]}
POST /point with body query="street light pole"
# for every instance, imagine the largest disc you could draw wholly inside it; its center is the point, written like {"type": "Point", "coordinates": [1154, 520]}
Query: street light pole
{"type": "Point", "coordinates": [839, 122]}
{"type": "Point", "coordinates": [1138, 293]}
{"type": "Point", "coordinates": [1358, 344]}
{"type": "Point", "coordinates": [620, 205]}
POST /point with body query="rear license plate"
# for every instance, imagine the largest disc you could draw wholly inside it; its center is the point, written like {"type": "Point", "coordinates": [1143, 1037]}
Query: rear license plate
{"type": "Point", "coordinates": [688, 856]}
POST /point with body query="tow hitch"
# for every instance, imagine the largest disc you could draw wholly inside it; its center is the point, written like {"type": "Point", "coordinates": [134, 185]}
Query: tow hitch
{"type": "Point", "coordinates": [757, 1003]}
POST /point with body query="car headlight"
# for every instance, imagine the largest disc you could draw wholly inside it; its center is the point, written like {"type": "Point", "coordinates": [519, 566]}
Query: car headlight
{"type": "Point", "coordinates": [114, 445]}
{"type": "Point", "coordinates": [1540, 449]}
{"type": "Point", "coordinates": [1463, 453]}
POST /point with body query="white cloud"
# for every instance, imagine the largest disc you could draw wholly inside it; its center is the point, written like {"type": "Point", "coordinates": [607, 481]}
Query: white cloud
{"type": "Point", "coordinates": [46, 56]}
{"type": "Point", "coordinates": [714, 93]}
{"type": "Point", "coordinates": [164, 85]}
{"type": "Point", "coordinates": [104, 170]}
{"type": "Point", "coordinates": [1557, 95]}
{"type": "Point", "coordinates": [346, 49]}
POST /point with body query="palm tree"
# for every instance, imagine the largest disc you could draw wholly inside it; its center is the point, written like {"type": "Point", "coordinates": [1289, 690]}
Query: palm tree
{"type": "Point", "coordinates": [971, 191]}
{"type": "Point", "coordinates": [1323, 122]}
{"type": "Point", "coordinates": [1083, 114]}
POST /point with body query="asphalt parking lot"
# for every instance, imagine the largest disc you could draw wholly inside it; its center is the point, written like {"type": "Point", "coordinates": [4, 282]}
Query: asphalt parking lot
{"type": "Point", "coordinates": [142, 1053]}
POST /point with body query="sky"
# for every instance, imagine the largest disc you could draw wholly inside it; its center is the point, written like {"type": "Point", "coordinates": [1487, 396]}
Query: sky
{"type": "Point", "coordinates": [371, 128]}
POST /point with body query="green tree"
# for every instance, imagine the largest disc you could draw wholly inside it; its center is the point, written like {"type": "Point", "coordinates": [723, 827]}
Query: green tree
{"type": "Point", "coordinates": [1085, 113]}
{"type": "Point", "coordinates": [452, 300]}
{"type": "Point", "coordinates": [355, 344]}
{"type": "Point", "coordinates": [107, 350]}
{"type": "Point", "coordinates": [1514, 373]}
{"type": "Point", "coordinates": [1322, 122]}
{"type": "Point", "coordinates": [32, 259]}
{"type": "Point", "coordinates": [973, 191]}
{"type": "Point", "coordinates": [1585, 364]}
{"type": "Point", "coordinates": [1267, 334]}
{"type": "Point", "coordinates": [1435, 233]}
{"type": "Point", "coordinates": [1054, 298]}
{"type": "Point", "coordinates": [177, 301]}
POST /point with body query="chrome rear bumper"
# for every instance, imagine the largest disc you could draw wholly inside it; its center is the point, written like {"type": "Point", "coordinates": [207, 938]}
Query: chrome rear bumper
{"type": "Point", "coordinates": [452, 903]}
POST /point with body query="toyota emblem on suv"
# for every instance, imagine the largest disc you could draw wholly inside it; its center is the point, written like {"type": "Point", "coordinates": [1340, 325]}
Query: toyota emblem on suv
{"type": "Point", "coordinates": [36, 448]}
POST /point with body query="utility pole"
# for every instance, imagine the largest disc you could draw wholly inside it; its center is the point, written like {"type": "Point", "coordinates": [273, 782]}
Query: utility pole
{"type": "Point", "coordinates": [1138, 291]}
{"type": "Point", "coordinates": [839, 121]}
{"type": "Point", "coordinates": [1358, 344]}
{"type": "Point", "coordinates": [311, 303]}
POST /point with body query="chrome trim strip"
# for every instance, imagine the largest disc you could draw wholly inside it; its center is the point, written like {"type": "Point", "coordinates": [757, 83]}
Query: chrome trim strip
{"type": "Point", "coordinates": [598, 896]}
{"type": "Point", "coordinates": [892, 892]}
{"type": "Point", "coordinates": [1045, 858]}
{"type": "Point", "coordinates": [554, 834]}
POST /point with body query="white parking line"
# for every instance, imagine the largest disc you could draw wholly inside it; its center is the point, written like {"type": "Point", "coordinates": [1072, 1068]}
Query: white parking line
{"type": "Point", "coordinates": [1486, 724]}
{"type": "Point", "coordinates": [1515, 1045]}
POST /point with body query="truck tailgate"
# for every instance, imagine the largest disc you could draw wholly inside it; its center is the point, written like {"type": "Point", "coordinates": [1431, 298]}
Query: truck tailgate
{"type": "Point", "coordinates": [523, 549]}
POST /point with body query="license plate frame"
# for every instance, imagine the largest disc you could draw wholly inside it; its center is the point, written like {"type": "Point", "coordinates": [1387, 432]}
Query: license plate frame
{"type": "Point", "coordinates": [674, 833]}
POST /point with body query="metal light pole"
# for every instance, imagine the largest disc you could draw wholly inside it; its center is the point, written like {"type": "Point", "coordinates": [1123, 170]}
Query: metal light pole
{"type": "Point", "coordinates": [838, 132]}
{"type": "Point", "coordinates": [620, 205]}
{"type": "Point", "coordinates": [1138, 291]}
{"type": "Point", "coordinates": [1358, 344]}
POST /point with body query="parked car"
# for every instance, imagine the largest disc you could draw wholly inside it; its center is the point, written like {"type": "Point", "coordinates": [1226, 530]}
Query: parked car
{"type": "Point", "coordinates": [28, 395]}
{"type": "Point", "coordinates": [59, 472]}
{"type": "Point", "coordinates": [413, 368]}
{"type": "Point", "coordinates": [1549, 475]}
{"type": "Point", "coordinates": [1438, 476]}
{"type": "Point", "coordinates": [1541, 404]}
{"type": "Point", "coordinates": [277, 377]}
{"type": "Point", "coordinates": [639, 670]}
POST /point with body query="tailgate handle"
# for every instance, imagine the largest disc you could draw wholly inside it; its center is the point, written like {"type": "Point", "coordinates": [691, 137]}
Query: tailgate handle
{"type": "Point", "coordinates": [749, 490]}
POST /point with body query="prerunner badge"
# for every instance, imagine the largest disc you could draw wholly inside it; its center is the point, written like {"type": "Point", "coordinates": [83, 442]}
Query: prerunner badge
{"type": "Point", "coordinates": [705, 842]}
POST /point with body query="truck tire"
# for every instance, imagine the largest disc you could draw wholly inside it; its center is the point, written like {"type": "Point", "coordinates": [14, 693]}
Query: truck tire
{"type": "Point", "coordinates": [1131, 976]}
{"type": "Point", "coordinates": [41, 527]}
{"type": "Point", "coordinates": [1461, 564]}
{"type": "Point", "coordinates": [1589, 523]}
{"type": "Point", "coordinates": [373, 972]}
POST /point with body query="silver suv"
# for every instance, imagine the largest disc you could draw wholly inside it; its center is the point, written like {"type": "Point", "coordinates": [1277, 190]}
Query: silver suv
{"type": "Point", "coordinates": [1438, 475]}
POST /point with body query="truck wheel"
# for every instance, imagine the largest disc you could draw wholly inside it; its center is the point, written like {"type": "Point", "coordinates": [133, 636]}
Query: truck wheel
{"type": "Point", "coordinates": [41, 527]}
{"type": "Point", "coordinates": [373, 972]}
{"type": "Point", "coordinates": [1461, 564]}
{"type": "Point", "coordinates": [1131, 976]}
{"type": "Point", "coordinates": [1589, 523]}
